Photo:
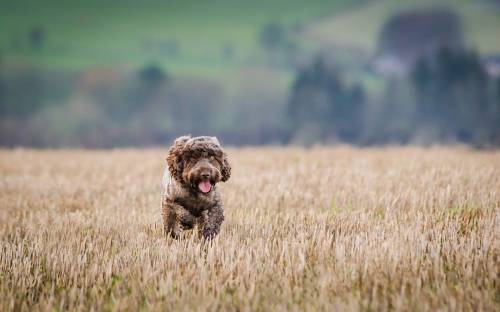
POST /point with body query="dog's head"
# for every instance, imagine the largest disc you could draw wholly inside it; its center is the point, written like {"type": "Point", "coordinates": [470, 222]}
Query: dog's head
{"type": "Point", "coordinates": [198, 162]}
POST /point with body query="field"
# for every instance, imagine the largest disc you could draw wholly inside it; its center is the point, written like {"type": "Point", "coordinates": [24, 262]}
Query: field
{"type": "Point", "coordinates": [85, 34]}
{"type": "Point", "coordinates": [360, 27]}
{"type": "Point", "coordinates": [92, 33]}
{"type": "Point", "coordinates": [325, 228]}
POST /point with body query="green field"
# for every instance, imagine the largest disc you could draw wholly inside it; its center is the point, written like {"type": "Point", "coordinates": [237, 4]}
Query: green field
{"type": "Point", "coordinates": [93, 33]}
{"type": "Point", "coordinates": [129, 33]}
{"type": "Point", "coordinates": [360, 27]}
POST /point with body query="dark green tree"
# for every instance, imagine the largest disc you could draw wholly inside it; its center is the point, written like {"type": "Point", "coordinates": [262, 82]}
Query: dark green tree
{"type": "Point", "coordinates": [410, 34]}
{"type": "Point", "coordinates": [23, 93]}
{"type": "Point", "coordinates": [319, 99]}
{"type": "Point", "coordinates": [272, 36]}
{"type": "Point", "coordinates": [453, 95]}
{"type": "Point", "coordinates": [36, 37]}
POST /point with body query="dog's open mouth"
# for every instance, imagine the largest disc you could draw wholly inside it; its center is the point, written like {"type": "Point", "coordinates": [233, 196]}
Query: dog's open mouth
{"type": "Point", "coordinates": [205, 186]}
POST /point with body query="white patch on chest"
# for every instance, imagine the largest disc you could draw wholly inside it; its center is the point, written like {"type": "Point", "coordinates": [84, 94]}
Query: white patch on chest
{"type": "Point", "coordinates": [166, 181]}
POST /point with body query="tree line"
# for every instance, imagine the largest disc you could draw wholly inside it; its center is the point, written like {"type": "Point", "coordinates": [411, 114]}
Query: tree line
{"type": "Point", "coordinates": [422, 86]}
{"type": "Point", "coordinates": [447, 97]}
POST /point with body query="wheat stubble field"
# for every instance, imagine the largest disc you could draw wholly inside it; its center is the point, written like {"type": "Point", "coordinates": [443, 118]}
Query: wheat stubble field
{"type": "Point", "coordinates": [320, 229]}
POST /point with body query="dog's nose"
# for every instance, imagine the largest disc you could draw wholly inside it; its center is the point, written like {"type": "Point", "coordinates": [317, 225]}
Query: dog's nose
{"type": "Point", "coordinates": [205, 175]}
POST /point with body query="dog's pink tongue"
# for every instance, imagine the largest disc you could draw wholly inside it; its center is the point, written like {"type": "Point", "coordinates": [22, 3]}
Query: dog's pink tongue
{"type": "Point", "coordinates": [205, 186]}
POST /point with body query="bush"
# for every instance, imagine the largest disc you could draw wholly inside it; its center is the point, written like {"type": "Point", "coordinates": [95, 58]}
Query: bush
{"type": "Point", "coordinates": [411, 34]}
{"type": "Point", "coordinates": [320, 98]}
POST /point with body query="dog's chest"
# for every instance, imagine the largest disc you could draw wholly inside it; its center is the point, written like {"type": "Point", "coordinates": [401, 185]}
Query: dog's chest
{"type": "Point", "coordinates": [196, 204]}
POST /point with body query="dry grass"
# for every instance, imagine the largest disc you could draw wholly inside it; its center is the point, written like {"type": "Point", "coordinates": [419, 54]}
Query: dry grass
{"type": "Point", "coordinates": [395, 228]}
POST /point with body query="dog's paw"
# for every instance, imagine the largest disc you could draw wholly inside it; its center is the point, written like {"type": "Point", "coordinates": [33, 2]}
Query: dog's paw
{"type": "Point", "coordinates": [187, 221]}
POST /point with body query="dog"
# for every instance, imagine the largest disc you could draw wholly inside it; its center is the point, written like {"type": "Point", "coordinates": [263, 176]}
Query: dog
{"type": "Point", "coordinates": [190, 198]}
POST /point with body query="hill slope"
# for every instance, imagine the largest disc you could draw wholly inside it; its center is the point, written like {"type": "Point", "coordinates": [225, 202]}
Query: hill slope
{"type": "Point", "coordinates": [204, 36]}
{"type": "Point", "coordinates": [360, 26]}
{"type": "Point", "coordinates": [190, 35]}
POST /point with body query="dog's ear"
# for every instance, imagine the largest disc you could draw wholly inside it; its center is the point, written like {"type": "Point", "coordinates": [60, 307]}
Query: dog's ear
{"type": "Point", "coordinates": [215, 140]}
{"type": "Point", "coordinates": [174, 157]}
{"type": "Point", "coordinates": [226, 168]}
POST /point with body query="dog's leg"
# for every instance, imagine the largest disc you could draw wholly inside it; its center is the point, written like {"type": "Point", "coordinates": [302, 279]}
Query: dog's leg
{"type": "Point", "coordinates": [176, 218]}
{"type": "Point", "coordinates": [170, 219]}
{"type": "Point", "coordinates": [211, 220]}
{"type": "Point", "coordinates": [186, 219]}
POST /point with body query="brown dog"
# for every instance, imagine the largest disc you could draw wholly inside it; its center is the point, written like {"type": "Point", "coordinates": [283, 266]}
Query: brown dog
{"type": "Point", "coordinates": [190, 197]}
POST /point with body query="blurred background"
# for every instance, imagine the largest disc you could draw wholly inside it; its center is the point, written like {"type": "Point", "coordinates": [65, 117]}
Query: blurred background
{"type": "Point", "coordinates": [141, 72]}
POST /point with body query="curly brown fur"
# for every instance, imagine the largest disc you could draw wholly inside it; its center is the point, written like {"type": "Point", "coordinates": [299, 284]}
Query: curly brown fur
{"type": "Point", "coordinates": [190, 196]}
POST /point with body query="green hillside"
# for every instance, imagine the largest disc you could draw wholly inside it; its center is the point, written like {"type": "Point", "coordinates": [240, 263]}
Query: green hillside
{"type": "Point", "coordinates": [204, 37]}
{"type": "Point", "coordinates": [184, 35]}
{"type": "Point", "coordinates": [360, 26]}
